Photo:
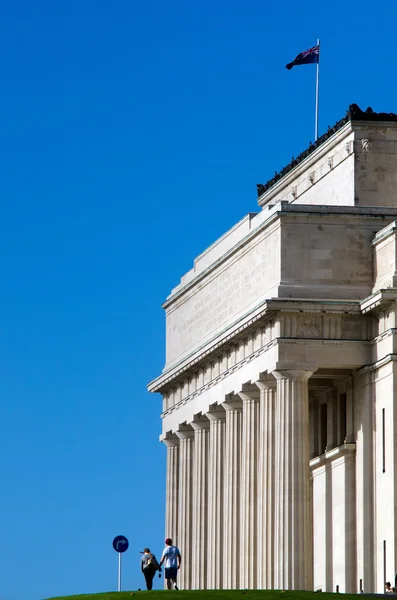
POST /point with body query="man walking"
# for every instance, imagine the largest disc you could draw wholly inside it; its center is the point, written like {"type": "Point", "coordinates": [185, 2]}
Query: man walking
{"type": "Point", "coordinates": [172, 558]}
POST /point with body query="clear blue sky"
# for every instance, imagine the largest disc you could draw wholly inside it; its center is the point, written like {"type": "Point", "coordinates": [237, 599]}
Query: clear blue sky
{"type": "Point", "coordinates": [132, 135]}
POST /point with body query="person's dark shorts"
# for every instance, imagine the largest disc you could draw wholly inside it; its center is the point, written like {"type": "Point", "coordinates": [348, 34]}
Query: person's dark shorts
{"type": "Point", "coordinates": [170, 573]}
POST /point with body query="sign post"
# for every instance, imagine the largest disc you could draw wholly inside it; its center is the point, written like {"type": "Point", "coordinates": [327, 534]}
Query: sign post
{"type": "Point", "coordinates": [120, 544]}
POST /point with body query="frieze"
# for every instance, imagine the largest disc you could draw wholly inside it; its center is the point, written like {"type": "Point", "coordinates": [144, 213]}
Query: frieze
{"type": "Point", "coordinates": [352, 327]}
{"type": "Point", "coordinates": [309, 326]}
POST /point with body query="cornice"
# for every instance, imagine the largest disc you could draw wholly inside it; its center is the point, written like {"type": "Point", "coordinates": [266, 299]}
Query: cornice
{"type": "Point", "coordinates": [253, 356]}
{"type": "Point", "coordinates": [379, 299]}
{"type": "Point", "coordinates": [353, 114]}
{"type": "Point", "coordinates": [268, 308]}
{"type": "Point", "coordinates": [369, 369]}
{"type": "Point", "coordinates": [331, 455]}
{"type": "Point", "coordinates": [309, 156]}
{"type": "Point", "coordinates": [282, 208]}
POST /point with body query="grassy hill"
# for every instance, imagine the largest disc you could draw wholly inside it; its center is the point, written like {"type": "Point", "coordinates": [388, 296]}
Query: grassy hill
{"type": "Point", "coordinates": [211, 595]}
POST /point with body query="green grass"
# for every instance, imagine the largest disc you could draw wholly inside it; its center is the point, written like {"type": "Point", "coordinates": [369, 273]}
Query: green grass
{"type": "Point", "coordinates": [211, 595]}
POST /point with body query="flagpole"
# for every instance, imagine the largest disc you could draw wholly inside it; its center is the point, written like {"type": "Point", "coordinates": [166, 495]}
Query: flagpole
{"type": "Point", "coordinates": [317, 91]}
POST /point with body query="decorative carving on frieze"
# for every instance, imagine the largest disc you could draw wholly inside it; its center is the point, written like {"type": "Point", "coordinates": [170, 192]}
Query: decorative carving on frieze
{"type": "Point", "coordinates": [330, 162]}
{"type": "Point", "coordinates": [352, 327]}
{"type": "Point", "coordinates": [309, 326]}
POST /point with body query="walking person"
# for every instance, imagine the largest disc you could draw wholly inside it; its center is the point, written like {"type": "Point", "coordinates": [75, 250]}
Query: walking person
{"type": "Point", "coordinates": [149, 566]}
{"type": "Point", "coordinates": [172, 558]}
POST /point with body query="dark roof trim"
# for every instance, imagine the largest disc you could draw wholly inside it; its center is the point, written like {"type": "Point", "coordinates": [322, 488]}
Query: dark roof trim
{"type": "Point", "coordinates": [353, 114]}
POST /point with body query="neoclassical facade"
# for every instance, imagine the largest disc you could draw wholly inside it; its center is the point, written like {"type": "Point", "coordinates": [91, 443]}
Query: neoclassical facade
{"type": "Point", "coordinates": [280, 383]}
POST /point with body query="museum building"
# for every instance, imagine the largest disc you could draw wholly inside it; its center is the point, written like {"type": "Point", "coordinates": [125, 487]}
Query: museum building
{"type": "Point", "coordinates": [280, 381]}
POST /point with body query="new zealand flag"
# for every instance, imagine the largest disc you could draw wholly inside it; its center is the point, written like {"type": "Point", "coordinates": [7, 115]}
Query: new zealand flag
{"type": "Point", "coordinates": [305, 58]}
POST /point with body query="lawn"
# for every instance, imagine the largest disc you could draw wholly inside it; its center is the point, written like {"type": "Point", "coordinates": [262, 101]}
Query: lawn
{"type": "Point", "coordinates": [211, 595]}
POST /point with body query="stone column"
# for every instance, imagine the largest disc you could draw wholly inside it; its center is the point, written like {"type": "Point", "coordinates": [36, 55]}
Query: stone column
{"type": "Point", "coordinates": [266, 482]}
{"type": "Point", "coordinates": [232, 477]}
{"type": "Point", "coordinates": [293, 535]}
{"type": "Point", "coordinates": [200, 504]}
{"type": "Point", "coordinates": [332, 420]}
{"type": "Point", "coordinates": [249, 488]}
{"type": "Point", "coordinates": [171, 510]}
{"type": "Point", "coordinates": [350, 437]}
{"type": "Point", "coordinates": [185, 520]}
{"type": "Point", "coordinates": [215, 499]}
{"type": "Point", "coordinates": [314, 423]}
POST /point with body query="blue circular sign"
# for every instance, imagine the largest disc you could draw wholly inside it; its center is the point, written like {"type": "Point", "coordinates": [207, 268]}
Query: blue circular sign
{"type": "Point", "coordinates": [120, 543]}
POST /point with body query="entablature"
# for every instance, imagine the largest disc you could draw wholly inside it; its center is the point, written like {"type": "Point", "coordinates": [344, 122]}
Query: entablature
{"type": "Point", "coordinates": [328, 319]}
{"type": "Point", "coordinates": [295, 327]}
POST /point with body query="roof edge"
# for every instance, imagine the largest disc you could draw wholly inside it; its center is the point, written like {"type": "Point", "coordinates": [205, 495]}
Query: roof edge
{"type": "Point", "coordinates": [354, 113]}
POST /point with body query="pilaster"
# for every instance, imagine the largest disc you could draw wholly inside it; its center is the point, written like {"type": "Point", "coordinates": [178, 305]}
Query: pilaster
{"type": "Point", "coordinates": [364, 392]}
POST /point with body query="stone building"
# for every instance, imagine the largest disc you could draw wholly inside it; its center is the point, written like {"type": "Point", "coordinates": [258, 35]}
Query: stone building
{"type": "Point", "coordinates": [280, 380]}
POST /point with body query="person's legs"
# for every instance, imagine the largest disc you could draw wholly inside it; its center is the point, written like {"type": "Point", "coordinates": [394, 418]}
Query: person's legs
{"type": "Point", "coordinates": [174, 584]}
{"type": "Point", "coordinates": [170, 575]}
{"type": "Point", "coordinates": [149, 574]}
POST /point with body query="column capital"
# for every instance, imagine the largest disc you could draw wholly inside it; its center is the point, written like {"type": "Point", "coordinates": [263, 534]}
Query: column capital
{"type": "Point", "coordinates": [303, 370]}
{"type": "Point", "coordinates": [289, 365]}
{"type": "Point", "coordinates": [200, 424]}
{"type": "Point", "coordinates": [170, 440]}
{"type": "Point", "coordinates": [184, 433]}
{"type": "Point", "coordinates": [235, 404]}
{"type": "Point", "coordinates": [248, 392]}
{"type": "Point", "coordinates": [218, 413]}
{"type": "Point", "coordinates": [266, 382]}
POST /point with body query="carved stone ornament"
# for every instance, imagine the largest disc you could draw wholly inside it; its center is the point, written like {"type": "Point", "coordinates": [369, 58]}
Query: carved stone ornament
{"type": "Point", "coordinates": [352, 328]}
{"type": "Point", "coordinates": [309, 326]}
{"type": "Point", "coordinates": [330, 161]}
{"type": "Point", "coordinates": [294, 191]}
{"type": "Point", "coordinates": [348, 147]}
{"type": "Point", "coordinates": [366, 145]}
{"type": "Point", "coordinates": [311, 177]}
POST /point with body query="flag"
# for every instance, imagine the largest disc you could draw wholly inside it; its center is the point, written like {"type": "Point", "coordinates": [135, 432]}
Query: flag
{"type": "Point", "coordinates": [305, 58]}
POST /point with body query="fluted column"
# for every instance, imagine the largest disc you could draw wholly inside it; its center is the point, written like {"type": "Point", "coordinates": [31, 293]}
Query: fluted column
{"type": "Point", "coordinates": [231, 501]}
{"type": "Point", "coordinates": [266, 482]}
{"type": "Point", "coordinates": [171, 510]}
{"type": "Point", "coordinates": [185, 520]}
{"type": "Point", "coordinates": [215, 500]}
{"type": "Point", "coordinates": [293, 535]}
{"type": "Point", "coordinates": [200, 504]}
{"type": "Point", "coordinates": [249, 487]}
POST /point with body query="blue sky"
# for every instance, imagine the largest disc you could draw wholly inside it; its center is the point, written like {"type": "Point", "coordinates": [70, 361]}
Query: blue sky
{"type": "Point", "coordinates": [132, 135]}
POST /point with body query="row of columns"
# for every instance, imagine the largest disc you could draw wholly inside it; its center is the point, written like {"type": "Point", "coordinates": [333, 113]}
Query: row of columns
{"type": "Point", "coordinates": [238, 489]}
